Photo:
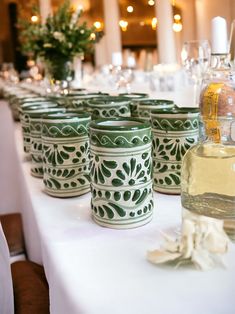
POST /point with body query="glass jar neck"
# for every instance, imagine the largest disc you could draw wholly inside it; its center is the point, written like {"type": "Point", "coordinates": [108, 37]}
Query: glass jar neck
{"type": "Point", "coordinates": [220, 130]}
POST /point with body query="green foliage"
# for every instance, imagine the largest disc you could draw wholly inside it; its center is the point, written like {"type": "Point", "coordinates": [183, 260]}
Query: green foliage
{"type": "Point", "coordinates": [62, 36]}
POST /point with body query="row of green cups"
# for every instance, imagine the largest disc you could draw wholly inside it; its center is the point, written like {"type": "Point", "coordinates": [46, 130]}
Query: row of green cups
{"type": "Point", "coordinates": [119, 152]}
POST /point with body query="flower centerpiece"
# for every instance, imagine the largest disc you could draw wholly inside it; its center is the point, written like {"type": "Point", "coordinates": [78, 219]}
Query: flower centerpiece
{"type": "Point", "coordinates": [59, 41]}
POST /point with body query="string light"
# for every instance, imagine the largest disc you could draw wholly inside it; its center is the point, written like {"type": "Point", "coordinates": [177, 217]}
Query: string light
{"type": "Point", "coordinates": [34, 18]}
{"type": "Point", "coordinates": [130, 9]}
{"type": "Point", "coordinates": [151, 2]}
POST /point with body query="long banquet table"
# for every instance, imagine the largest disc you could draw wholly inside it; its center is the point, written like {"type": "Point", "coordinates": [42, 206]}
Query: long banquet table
{"type": "Point", "coordinates": [95, 270]}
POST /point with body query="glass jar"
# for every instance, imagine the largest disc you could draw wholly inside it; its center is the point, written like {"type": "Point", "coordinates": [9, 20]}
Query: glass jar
{"type": "Point", "coordinates": [208, 169]}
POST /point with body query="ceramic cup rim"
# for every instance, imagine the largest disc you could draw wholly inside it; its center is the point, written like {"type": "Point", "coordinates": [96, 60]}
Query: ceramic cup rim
{"type": "Point", "coordinates": [109, 100]}
{"type": "Point", "coordinates": [31, 109]}
{"type": "Point", "coordinates": [135, 124]}
{"type": "Point", "coordinates": [136, 95]}
{"type": "Point", "coordinates": [39, 113]}
{"type": "Point", "coordinates": [155, 102]}
{"type": "Point", "coordinates": [175, 111]}
{"type": "Point", "coordinates": [65, 116]}
{"type": "Point", "coordinates": [37, 104]}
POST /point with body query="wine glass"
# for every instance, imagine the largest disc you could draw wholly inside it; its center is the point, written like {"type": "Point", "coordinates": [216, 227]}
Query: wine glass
{"type": "Point", "coordinates": [195, 56]}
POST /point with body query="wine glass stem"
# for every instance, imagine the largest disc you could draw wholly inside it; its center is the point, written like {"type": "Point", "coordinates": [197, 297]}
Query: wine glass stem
{"type": "Point", "coordinates": [196, 91]}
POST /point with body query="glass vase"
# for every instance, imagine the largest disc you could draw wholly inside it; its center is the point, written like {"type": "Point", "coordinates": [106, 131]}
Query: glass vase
{"type": "Point", "coordinates": [63, 74]}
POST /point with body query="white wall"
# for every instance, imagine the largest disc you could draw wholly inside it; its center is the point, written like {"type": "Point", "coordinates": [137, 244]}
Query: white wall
{"type": "Point", "coordinates": [207, 9]}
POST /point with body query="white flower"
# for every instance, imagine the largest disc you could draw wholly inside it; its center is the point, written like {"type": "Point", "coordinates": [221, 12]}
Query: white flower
{"type": "Point", "coordinates": [203, 242]}
{"type": "Point", "coordinates": [59, 36]}
{"type": "Point", "coordinates": [70, 45]}
{"type": "Point", "coordinates": [82, 31]}
{"type": "Point", "coordinates": [47, 45]}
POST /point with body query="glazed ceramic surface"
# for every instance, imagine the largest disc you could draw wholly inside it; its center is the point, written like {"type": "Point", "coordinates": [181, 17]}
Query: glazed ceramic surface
{"type": "Point", "coordinates": [174, 132]}
{"type": "Point", "coordinates": [14, 102]}
{"type": "Point", "coordinates": [77, 100]}
{"type": "Point", "coordinates": [66, 154]}
{"type": "Point", "coordinates": [24, 120]}
{"type": "Point", "coordinates": [108, 107]}
{"type": "Point", "coordinates": [135, 98]}
{"type": "Point", "coordinates": [144, 107]}
{"type": "Point", "coordinates": [35, 128]}
{"type": "Point", "coordinates": [121, 172]}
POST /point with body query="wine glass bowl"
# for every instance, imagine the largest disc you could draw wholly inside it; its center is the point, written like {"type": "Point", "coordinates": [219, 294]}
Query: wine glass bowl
{"type": "Point", "coordinates": [195, 56]}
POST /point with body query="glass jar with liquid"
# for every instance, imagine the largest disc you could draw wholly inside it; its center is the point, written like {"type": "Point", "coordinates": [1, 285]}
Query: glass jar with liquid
{"type": "Point", "coordinates": [208, 169]}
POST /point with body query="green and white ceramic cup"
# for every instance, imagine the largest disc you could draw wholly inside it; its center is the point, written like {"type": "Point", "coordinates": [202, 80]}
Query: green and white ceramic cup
{"type": "Point", "coordinates": [121, 172]}
{"type": "Point", "coordinates": [145, 106]}
{"type": "Point", "coordinates": [66, 154]}
{"type": "Point", "coordinates": [14, 102]}
{"type": "Point", "coordinates": [174, 132]}
{"type": "Point", "coordinates": [35, 127]}
{"type": "Point", "coordinates": [25, 109]}
{"type": "Point", "coordinates": [108, 107]}
{"type": "Point", "coordinates": [78, 101]}
{"type": "Point", "coordinates": [135, 98]}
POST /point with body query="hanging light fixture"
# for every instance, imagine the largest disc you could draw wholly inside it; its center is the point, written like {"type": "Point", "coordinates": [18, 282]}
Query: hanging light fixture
{"type": "Point", "coordinates": [123, 24]}
{"type": "Point", "coordinates": [154, 23]}
{"type": "Point", "coordinates": [177, 25]}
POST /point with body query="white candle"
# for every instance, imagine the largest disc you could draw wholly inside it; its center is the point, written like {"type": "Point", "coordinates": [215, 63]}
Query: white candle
{"type": "Point", "coordinates": [219, 37]}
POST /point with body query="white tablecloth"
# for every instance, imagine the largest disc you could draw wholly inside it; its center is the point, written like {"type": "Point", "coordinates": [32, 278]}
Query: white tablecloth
{"type": "Point", "coordinates": [91, 269]}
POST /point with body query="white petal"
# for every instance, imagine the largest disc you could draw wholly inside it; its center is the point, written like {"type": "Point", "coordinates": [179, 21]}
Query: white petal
{"type": "Point", "coordinates": [159, 257]}
{"type": "Point", "coordinates": [202, 259]}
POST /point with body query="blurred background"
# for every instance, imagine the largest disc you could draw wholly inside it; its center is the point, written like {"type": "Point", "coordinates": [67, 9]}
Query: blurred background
{"type": "Point", "coordinates": [130, 27]}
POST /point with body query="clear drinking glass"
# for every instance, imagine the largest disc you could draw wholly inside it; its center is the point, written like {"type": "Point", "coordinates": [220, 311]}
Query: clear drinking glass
{"type": "Point", "coordinates": [195, 56]}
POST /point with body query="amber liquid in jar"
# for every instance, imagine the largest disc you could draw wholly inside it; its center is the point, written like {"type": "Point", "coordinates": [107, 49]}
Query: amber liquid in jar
{"type": "Point", "coordinates": [208, 182]}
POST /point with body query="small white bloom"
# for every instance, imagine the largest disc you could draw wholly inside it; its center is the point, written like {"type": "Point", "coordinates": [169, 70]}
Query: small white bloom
{"type": "Point", "coordinates": [59, 36]}
{"type": "Point", "coordinates": [70, 45]}
{"type": "Point", "coordinates": [82, 31]}
{"type": "Point", "coordinates": [47, 45]}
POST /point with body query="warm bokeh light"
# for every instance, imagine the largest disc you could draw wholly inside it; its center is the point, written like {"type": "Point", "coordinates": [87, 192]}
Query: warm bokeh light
{"type": "Point", "coordinates": [98, 25]}
{"type": "Point", "coordinates": [154, 23]}
{"type": "Point", "coordinates": [130, 9]}
{"type": "Point", "coordinates": [177, 17]}
{"type": "Point", "coordinates": [151, 2]}
{"type": "Point", "coordinates": [177, 27]}
{"type": "Point", "coordinates": [30, 63]}
{"type": "Point", "coordinates": [34, 18]}
{"type": "Point", "coordinates": [123, 24]}
{"type": "Point", "coordinates": [93, 36]}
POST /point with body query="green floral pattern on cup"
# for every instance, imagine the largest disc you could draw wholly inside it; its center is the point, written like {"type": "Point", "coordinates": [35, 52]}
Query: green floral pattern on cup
{"type": "Point", "coordinates": [35, 138]}
{"type": "Point", "coordinates": [135, 99]}
{"type": "Point", "coordinates": [66, 154]}
{"type": "Point", "coordinates": [121, 172]}
{"type": "Point", "coordinates": [145, 107]}
{"type": "Point", "coordinates": [108, 107]}
{"type": "Point", "coordinates": [174, 132]}
{"type": "Point", "coordinates": [24, 111]}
